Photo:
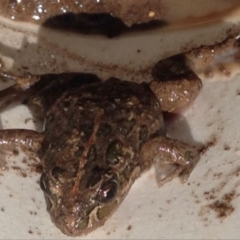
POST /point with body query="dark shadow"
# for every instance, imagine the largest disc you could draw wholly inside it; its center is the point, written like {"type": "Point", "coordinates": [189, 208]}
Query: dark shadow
{"type": "Point", "coordinates": [103, 24]}
{"type": "Point", "coordinates": [178, 128]}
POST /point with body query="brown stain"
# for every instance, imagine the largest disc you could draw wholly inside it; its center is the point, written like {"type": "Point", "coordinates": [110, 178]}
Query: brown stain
{"type": "Point", "coordinates": [33, 213]}
{"type": "Point", "coordinates": [226, 147]}
{"type": "Point", "coordinates": [217, 176]}
{"type": "Point", "coordinates": [15, 152]}
{"type": "Point", "coordinates": [221, 204]}
{"type": "Point", "coordinates": [209, 144]}
{"type": "Point", "coordinates": [129, 227]}
{"type": "Point", "coordinates": [20, 171]}
{"type": "Point", "coordinates": [238, 92]}
{"type": "Point", "coordinates": [223, 207]}
{"type": "Point", "coordinates": [38, 168]}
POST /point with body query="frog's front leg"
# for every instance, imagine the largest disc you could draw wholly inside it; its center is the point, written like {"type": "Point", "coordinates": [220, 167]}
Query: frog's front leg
{"type": "Point", "coordinates": [27, 140]}
{"type": "Point", "coordinates": [172, 158]}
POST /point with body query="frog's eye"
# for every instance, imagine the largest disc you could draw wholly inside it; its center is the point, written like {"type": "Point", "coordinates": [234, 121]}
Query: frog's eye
{"type": "Point", "coordinates": [57, 173]}
{"type": "Point", "coordinates": [107, 191]}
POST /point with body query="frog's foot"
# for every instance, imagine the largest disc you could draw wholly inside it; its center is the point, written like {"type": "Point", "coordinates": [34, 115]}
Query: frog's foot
{"type": "Point", "coordinates": [17, 92]}
{"type": "Point", "coordinates": [217, 62]}
{"type": "Point", "coordinates": [172, 158]}
{"type": "Point", "coordinates": [175, 84]}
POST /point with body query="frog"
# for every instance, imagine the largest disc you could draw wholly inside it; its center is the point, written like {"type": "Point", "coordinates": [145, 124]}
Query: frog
{"type": "Point", "coordinates": [99, 136]}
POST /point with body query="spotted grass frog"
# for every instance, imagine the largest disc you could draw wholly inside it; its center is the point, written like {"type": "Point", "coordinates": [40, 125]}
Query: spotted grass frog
{"type": "Point", "coordinates": [98, 137]}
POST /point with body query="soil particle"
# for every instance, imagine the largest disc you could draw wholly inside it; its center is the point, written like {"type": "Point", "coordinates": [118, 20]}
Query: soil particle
{"type": "Point", "coordinates": [129, 227]}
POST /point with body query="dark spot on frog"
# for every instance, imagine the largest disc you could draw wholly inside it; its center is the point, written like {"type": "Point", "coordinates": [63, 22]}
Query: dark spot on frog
{"type": "Point", "coordinates": [114, 153]}
{"type": "Point", "coordinates": [30, 231]}
{"type": "Point", "coordinates": [79, 152]}
{"type": "Point", "coordinates": [104, 130]}
{"type": "Point", "coordinates": [92, 154]}
{"type": "Point", "coordinates": [143, 133]}
{"type": "Point", "coordinates": [126, 126]}
{"type": "Point", "coordinates": [95, 176]}
{"type": "Point", "coordinates": [87, 129]}
{"type": "Point", "coordinates": [2, 209]}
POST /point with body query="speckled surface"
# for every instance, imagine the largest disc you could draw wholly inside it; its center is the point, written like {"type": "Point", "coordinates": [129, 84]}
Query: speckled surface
{"type": "Point", "coordinates": [206, 207]}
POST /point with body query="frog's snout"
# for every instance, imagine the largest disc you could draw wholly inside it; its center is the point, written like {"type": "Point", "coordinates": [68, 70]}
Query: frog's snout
{"type": "Point", "coordinates": [44, 184]}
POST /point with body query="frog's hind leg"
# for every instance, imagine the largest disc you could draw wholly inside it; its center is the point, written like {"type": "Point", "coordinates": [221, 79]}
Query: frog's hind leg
{"type": "Point", "coordinates": [172, 158]}
{"type": "Point", "coordinates": [40, 91]}
{"type": "Point", "coordinates": [174, 84]}
{"type": "Point", "coordinates": [17, 92]}
{"type": "Point", "coordinates": [28, 141]}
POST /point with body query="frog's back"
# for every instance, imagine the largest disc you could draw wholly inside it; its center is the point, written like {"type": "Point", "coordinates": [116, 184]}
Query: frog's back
{"type": "Point", "coordinates": [112, 114]}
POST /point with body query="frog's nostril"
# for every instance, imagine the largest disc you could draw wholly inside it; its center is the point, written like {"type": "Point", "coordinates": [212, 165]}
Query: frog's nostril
{"type": "Point", "coordinates": [57, 173]}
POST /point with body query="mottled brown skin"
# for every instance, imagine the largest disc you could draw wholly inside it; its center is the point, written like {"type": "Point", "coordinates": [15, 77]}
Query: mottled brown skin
{"type": "Point", "coordinates": [98, 138]}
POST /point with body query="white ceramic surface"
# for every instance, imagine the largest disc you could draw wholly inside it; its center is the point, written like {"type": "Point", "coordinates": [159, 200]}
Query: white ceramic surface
{"type": "Point", "coordinates": [175, 211]}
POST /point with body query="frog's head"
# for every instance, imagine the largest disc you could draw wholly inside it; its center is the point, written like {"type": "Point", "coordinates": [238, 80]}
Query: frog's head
{"type": "Point", "coordinates": [79, 206]}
